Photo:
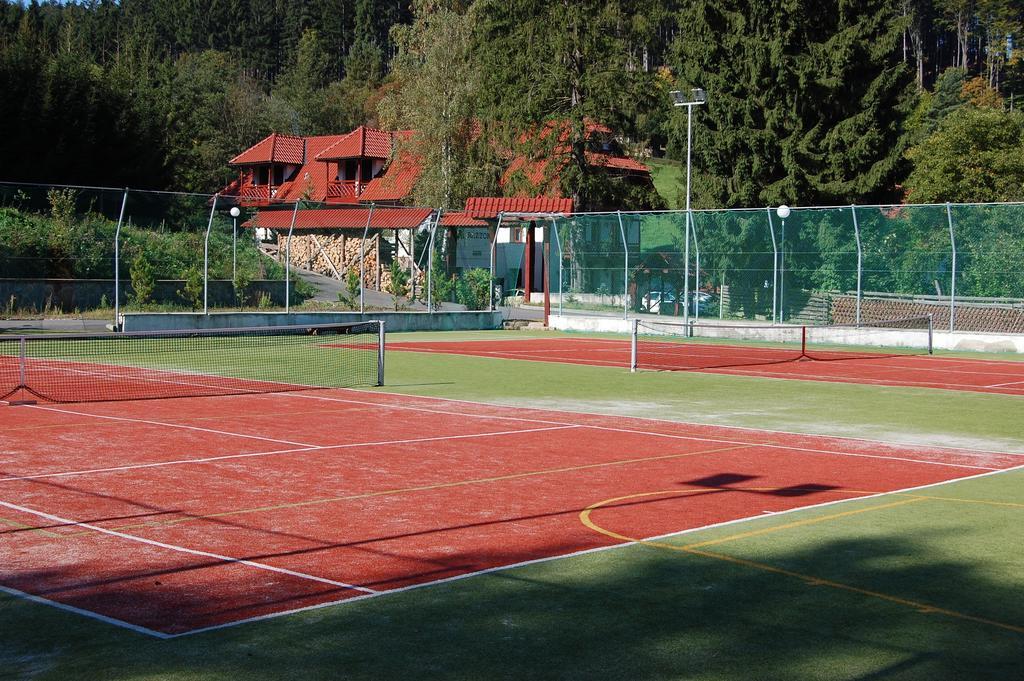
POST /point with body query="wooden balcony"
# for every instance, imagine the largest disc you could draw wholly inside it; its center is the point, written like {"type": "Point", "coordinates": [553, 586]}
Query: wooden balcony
{"type": "Point", "coordinates": [344, 191]}
{"type": "Point", "coordinates": [254, 195]}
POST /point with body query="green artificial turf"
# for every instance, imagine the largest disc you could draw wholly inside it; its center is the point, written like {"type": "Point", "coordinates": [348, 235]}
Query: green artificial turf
{"type": "Point", "coordinates": [921, 585]}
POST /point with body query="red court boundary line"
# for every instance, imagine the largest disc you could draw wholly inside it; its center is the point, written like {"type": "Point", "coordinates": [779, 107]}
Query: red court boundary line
{"type": "Point", "coordinates": [545, 559]}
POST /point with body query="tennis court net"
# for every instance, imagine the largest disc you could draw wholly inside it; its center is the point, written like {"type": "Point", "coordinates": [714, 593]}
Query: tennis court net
{"type": "Point", "coordinates": [674, 346]}
{"type": "Point", "coordinates": [162, 364]}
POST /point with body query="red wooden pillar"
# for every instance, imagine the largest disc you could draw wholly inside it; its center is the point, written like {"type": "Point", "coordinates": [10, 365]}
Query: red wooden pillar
{"type": "Point", "coordinates": [528, 263]}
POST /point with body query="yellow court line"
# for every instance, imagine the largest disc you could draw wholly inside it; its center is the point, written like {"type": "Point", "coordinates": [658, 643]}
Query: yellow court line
{"type": "Point", "coordinates": [1006, 504]}
{"type": "Point", "coordinates": [809, 579]}
{"type": "Point", "coordinates": [800, 523]}
{"type": "Point", "coordinates": [421, 488]}
{"type": "Point", "coordinates": [31, 528]}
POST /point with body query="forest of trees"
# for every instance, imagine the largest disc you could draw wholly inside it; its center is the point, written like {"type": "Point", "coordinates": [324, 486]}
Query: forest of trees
{"type": "Point", "coordinates": [808, 102]}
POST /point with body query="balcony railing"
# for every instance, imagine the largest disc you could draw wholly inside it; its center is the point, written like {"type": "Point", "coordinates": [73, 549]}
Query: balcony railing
{"type": "Point", "coordinates": [254, 194]}
{"type": "Point", "coordinates": [344, 191]}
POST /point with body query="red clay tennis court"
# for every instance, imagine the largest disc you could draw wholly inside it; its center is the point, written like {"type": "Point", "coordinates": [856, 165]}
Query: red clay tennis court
{"type": "Point", "coordinates": [179, 515]}
{"type": "Point", "coordinates": [869, 366]}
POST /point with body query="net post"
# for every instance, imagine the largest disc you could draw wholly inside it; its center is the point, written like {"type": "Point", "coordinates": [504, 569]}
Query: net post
{"type": "Point", "coordinates": [931, 328]}
{"type": "Point", "coordinates": [21, 363]}
{"type": "Point", "coordinates": [380, 352]}
{"type": "Point", "coordinates": [803, 341]}
{"type": "Point", "coordinates": [632, 344]}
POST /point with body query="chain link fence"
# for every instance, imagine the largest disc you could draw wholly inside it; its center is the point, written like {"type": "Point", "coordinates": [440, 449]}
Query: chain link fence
{"type": "Point", "coordinates": [83, 249]}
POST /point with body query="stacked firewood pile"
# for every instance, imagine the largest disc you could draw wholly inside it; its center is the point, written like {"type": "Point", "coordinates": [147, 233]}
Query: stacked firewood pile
{"type": "Point", "coordinates": [333, 254]}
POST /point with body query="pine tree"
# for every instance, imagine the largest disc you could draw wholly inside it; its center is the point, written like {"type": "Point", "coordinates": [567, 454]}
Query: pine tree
{"type": "Point", "coordinates": [805, 101]}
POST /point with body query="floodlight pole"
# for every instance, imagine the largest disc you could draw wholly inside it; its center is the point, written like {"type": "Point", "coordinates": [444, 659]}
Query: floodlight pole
{"type": "Point", "coordinates": [234, 242]}
{"type": "Point", "coordinates": [783, 213]}
{"type": "Point", "coordinates": [698, 98]}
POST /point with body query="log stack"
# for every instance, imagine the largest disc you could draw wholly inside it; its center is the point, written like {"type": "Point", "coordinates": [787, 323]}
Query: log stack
{"type": "Point", "coordinates": [334, 253]}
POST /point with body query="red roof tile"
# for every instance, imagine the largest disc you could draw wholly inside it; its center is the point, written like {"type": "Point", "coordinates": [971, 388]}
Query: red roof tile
{"type": "Point", "coordinates": [600, 160]}
{"type": "Point", "coordinates": [341, 218]}
{"type": "Point", "coordinates": [461, 219]}
{"type": "Point", "coordinates": [362, 142]}
{"type": "Point", "coordinates": [275, 148]}
{"type": "Point", "coordinates": [397, 181]}
{"type": "Point", "coordinates": [489, 207]}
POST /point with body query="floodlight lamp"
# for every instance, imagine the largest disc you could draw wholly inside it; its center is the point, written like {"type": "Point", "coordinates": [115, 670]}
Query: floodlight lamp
{"type": "Point", "coordinates": [782, 211]}
{"type": "Point", "coordinates": [235, 212]}
{"type": "Point", "coordinates": [677, 97]}
{"type": "Point", "coordinates": [699, 96]}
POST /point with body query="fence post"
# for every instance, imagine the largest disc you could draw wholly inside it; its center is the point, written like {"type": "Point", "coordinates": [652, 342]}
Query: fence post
{"type": "Point", "coordinates": [952, 276]}
{"type": "Point", "coordinates": [430, 265]}
{"type": "Point", "coordinates": [206, 256]}
{"type": "Point", "coordinates": [856, 234]}
{"type": "Point", "coordinates": [696, 273]}
{"type": "Point", "coordinates": [362, 258]}
{"type": "Point", "coordinates": [686, 270]}
{"type": "Point", "coordinates": [288, 260]}
{"type": "Point", "coordinates": [558, 244]}
{"type": "Point", "coordinates": [775, 266]}
{"type": "Point", "coordinates": [625, 268]}
{"type": "Point", "coordinates": [117, 262]}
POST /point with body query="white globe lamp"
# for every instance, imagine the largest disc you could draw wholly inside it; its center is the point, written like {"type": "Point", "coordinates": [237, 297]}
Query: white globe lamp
{"type": "Point", "coordinates": [782, 211]}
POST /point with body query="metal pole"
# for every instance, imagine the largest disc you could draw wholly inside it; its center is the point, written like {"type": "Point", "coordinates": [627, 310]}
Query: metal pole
{"type": "Point", "coordinates": [686, 271]}
{"type": "Point", "coordinates": [632, 343]}
{"type": "Point", "coordinates": [430, 266]}
{"type": "Point", "coordinates": [775, 266]}
{"type": "Point", "coordinates": [625, 269]}
{"type": "Point", "coordinates": [493, 255]}
{"type": "Point", "coordinates": [288, 261]}
{"type": "Point", "coordinates": [117, 262]}
{"type": "Point", "coordinates": [558, 244]}
{"type": "Point", "coordinates": [686, 249]}
{"type": "Point", "coordinates": [782, 274]}
{"type": "Point", "coordinates": [860, 256]}
{"type": "Point", "coordinates": [952, 276]}
{"type": "Point", "coordinates": [206, 256]}
{"type": "Point", "coordinates": [362, 257]}
{"type": "Point", "coordinates": [380, 352]}
{"type": "Point", "coordinates": [696, 273]}
{"type": "Point", "coordinates": [234, 249]}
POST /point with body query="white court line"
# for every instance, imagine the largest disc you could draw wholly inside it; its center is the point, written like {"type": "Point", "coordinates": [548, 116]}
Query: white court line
{"type": "Point", "coordinates": [573, 554]}
{"type": "Point", "coordinates": [85, 613]}
{"type": "Point", "coordinates": [181, 549]}
{"type": "Point", "coordinates": [1000, 385]}
{"type": "Point", "coordinates": [347, 445]}
{"type": "Point", "coordinates": [170, 425]}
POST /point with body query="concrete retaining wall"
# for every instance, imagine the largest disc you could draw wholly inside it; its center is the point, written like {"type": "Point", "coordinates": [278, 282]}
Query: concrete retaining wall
{"type": "Point", "coordinates": [393, 321]}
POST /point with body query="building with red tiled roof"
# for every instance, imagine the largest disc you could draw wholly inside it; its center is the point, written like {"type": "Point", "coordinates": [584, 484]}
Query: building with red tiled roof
{"type": "Point", "coordinates": [538, 173]}
{"type": "Point", "coordinates": [332, 169]}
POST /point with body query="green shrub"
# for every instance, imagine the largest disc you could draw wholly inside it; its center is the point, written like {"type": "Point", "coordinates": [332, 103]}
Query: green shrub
{"type": "Point", "coordinates": [192, 291]}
